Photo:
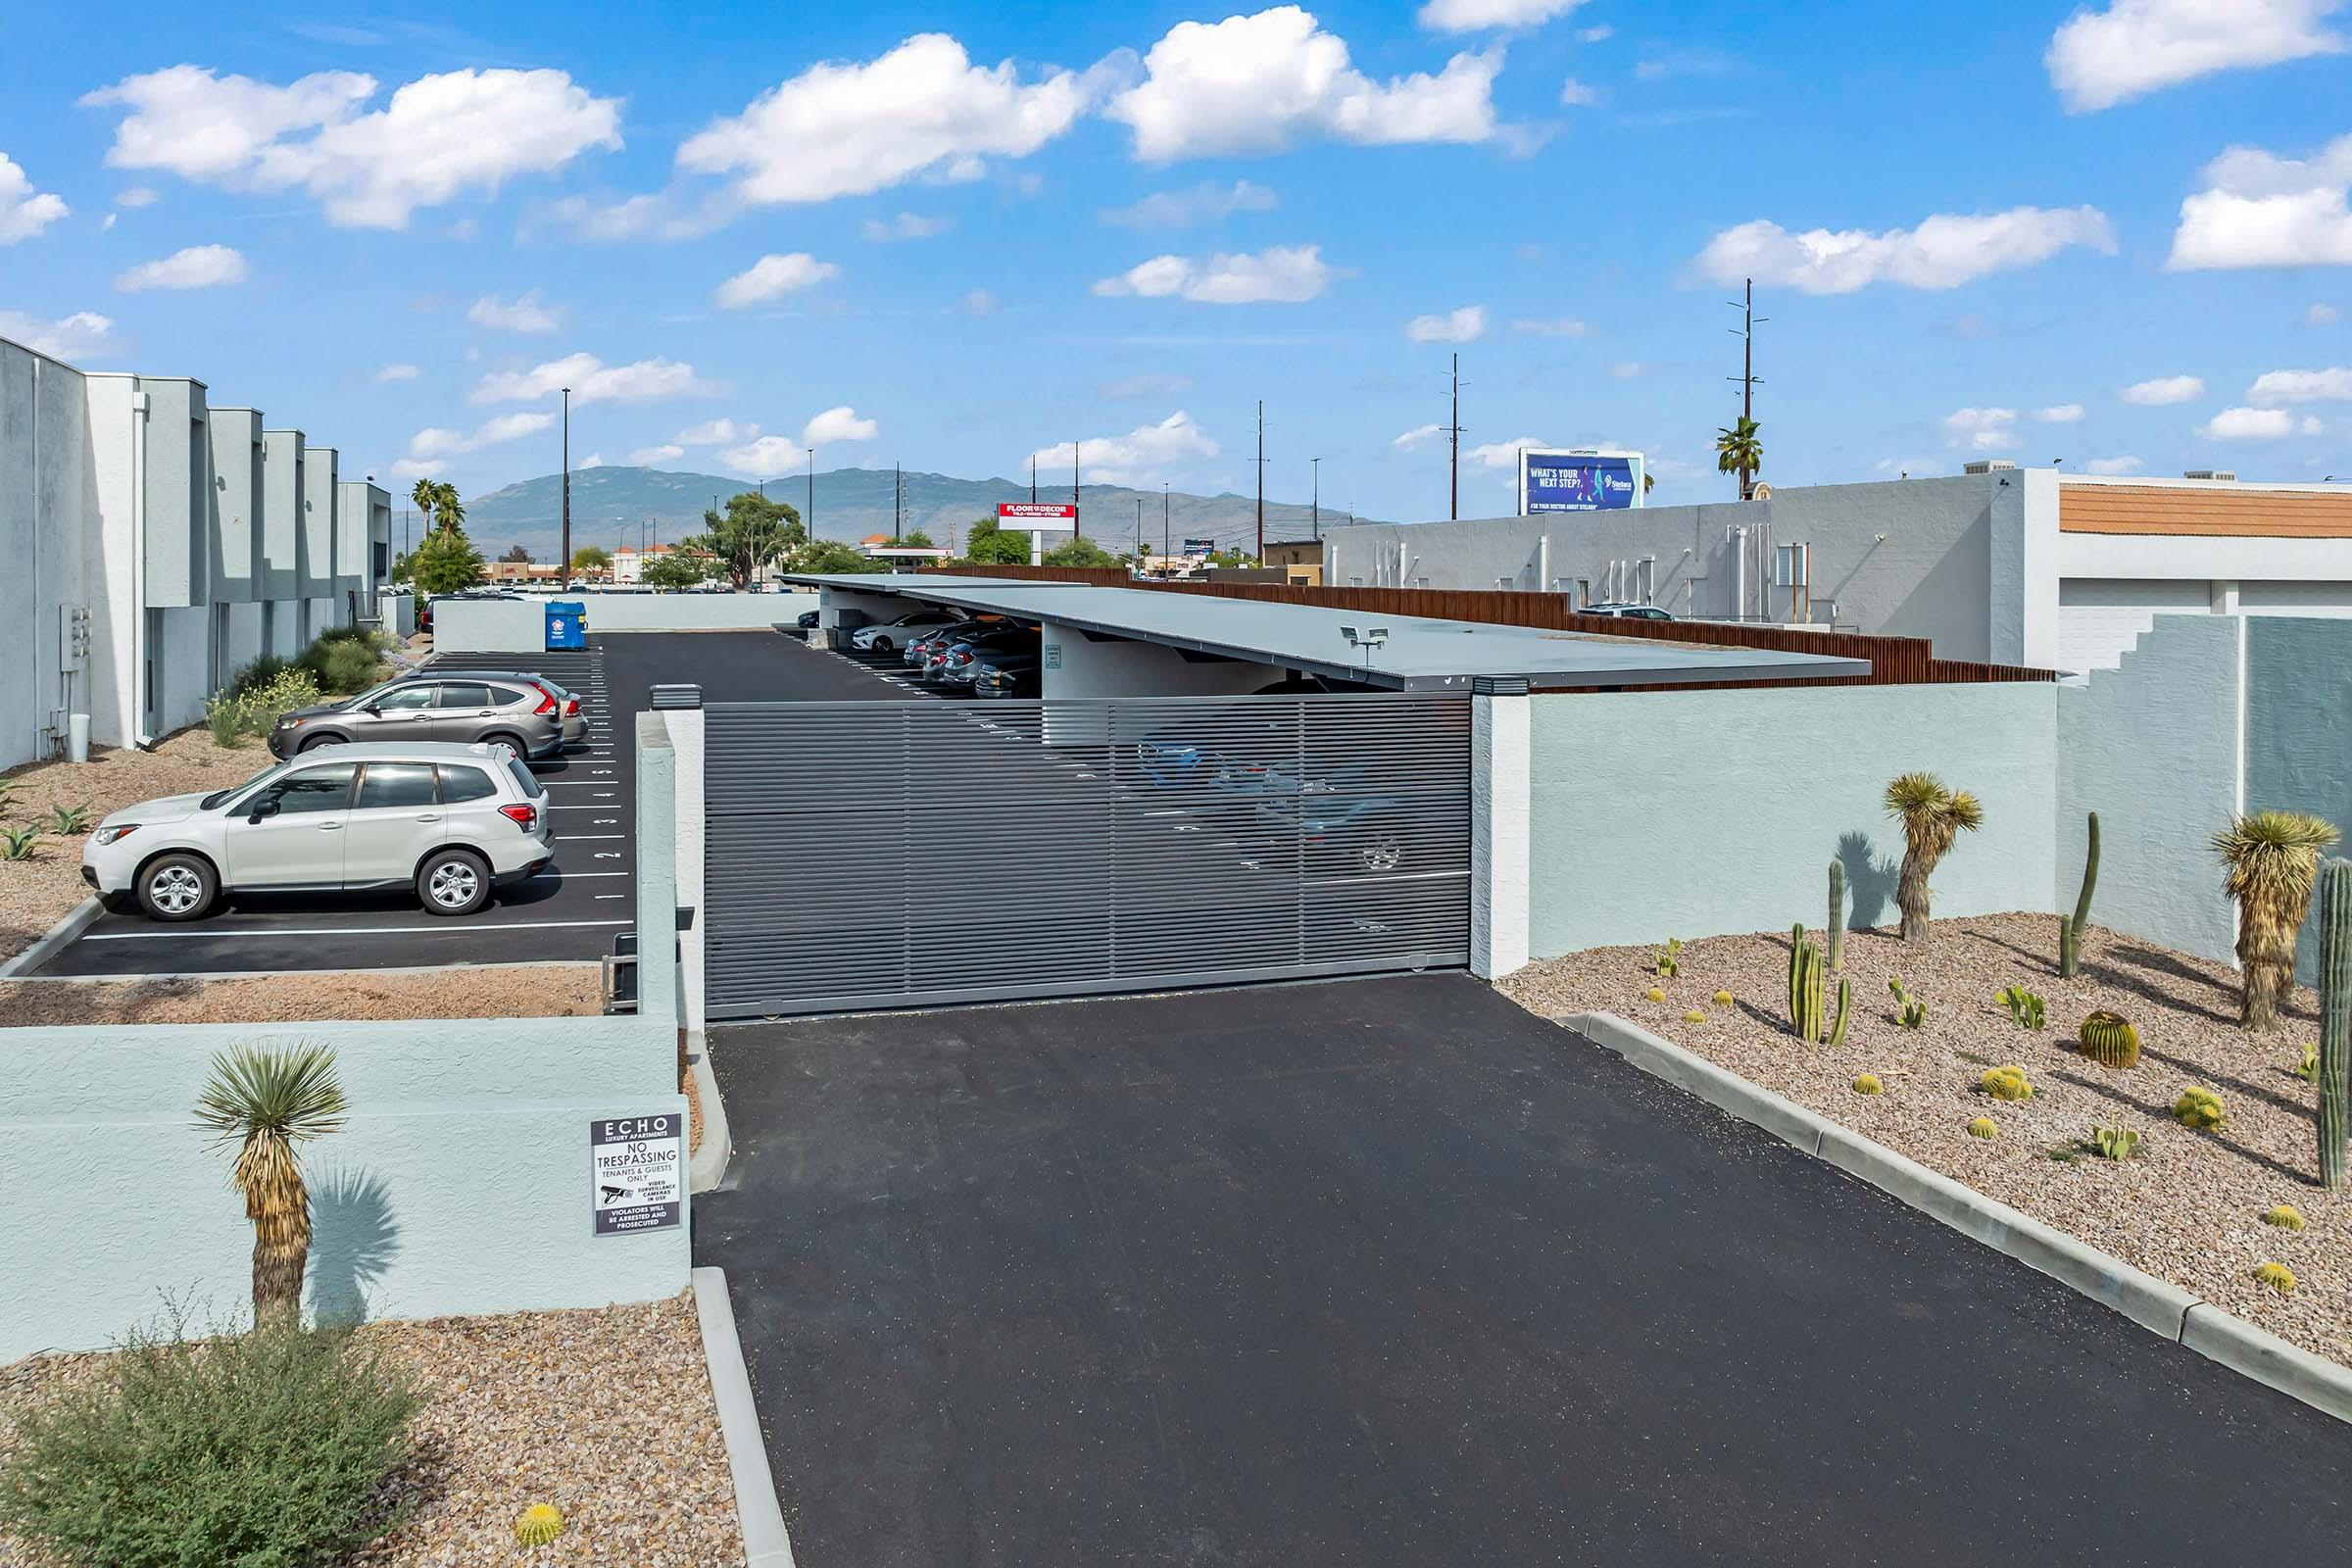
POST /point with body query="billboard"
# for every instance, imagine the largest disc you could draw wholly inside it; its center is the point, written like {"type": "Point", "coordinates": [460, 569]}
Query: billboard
{"type": "Point", "coordinates": [1201, 547]}
{"type": "Point", "coordinates": [1578, 481]}
{"type": "Point", "coordinates": [1037, 516]}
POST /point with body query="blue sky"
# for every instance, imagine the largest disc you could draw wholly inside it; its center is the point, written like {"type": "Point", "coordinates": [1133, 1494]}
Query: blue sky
{"type": "Point", "coordinates": [955, 236]}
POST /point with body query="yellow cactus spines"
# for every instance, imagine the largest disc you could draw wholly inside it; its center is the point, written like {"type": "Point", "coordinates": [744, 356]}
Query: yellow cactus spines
{"type": "Point", "coordinates": [1695, 1015]}
{"type": "Point", "coordinates": [2198, 1107]}
{"type": "Point", "coordinates": [1655, 993]}
{"type": "Point", "coordinates": [2006, 1083]}
{"type": "Point", "coordinates": [2284, 1215]}
{"type": "Point", "coordinates": [540, 1523]}
{"type": "Point", "coordinates": [1983, 1127]}
{"type": "Point", "coordinates": [2279, 1277]}
{"type": "Point", "coordinates": [1723, 999]}
{"type": "Point", "coordinates": [1868, 1084]}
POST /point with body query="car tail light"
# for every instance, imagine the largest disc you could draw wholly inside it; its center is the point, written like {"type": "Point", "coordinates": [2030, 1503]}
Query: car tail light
{"type": "Point", "coordinates": [571, 708]}
{"type": "Point", "coordinates": [525, 817]}
{"type": "Point", "coordinates": [547, 703]}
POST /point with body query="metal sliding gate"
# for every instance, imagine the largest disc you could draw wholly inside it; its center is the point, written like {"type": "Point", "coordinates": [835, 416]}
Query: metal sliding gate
{"type": "Point", "coordinates": [895, 853]}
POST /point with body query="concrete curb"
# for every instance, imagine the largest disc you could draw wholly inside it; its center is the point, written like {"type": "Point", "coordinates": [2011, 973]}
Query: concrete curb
{"type": "Point", "coordinates": [762, 1517]}
{"type": "Point", "coordinates": [2157, 1305]}
{"type": "Point", "coordinates": [708, 1166]}
{"type": "Point", "coordinates": [57, 935]}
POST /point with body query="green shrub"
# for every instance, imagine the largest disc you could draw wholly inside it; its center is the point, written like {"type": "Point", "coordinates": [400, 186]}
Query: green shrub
{"type": "Point", "coordinates": [266, 1449]}
{"type": "Point", "coordinates": [260, 672]}
{"type": "Point", "coordinates": [341, 665]}
{"type": "Point", "coordinates": [224, 717]}
{"type": "Point", "coordinates": [69, 821]}
{"type": "Point", "coordinates": [16, 843]}
{"type": "Point", "coordinates": [288, 689]}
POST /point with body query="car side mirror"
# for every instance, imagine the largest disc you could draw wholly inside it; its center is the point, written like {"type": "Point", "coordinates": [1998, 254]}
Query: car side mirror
{"type": "Point", "coordinates": [267, 806]}
{"type": "Point", "coordinates": [374, 709]}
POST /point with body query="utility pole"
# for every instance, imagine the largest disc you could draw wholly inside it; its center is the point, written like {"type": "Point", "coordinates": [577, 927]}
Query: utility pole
{"type": "Point", "coordinates": [1261, 481]}
{"type": "Point", "coordinates": [1453, 445]}
{"type": "Point", "coordinates": [1033, 478]}
{"type": "Point", "coordinates": [897, 503]}
{"type": "Point", "coordinates": [1747, 373]}
{"type": "Point", "coordinates": [809, 523]}
{"type": "Point", "coordinates": [1163, 520]}
{"type": "Point", "coordinates": [1317, 528]}
{"type": "Point", "coordinates": [1077, 524]}
{"type": "Point", "coordinates": [566, 566]}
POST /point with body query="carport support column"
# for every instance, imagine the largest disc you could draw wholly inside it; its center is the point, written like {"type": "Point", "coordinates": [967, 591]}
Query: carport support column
{"type": "Point", "coordinates": [657, 870]}
{"type": "Point", "coordinates": [1500, 839]}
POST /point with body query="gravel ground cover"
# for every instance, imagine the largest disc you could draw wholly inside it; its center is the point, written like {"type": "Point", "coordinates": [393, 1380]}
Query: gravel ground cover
{"type": "Point", "coordinates": [2187, 1210]}
{"type": "Point", "coordinates": [36, 893]}
{"type": "Point", "coordinates": [605, 1413]}
{"type": "Point", "coordinates": [520, 991]}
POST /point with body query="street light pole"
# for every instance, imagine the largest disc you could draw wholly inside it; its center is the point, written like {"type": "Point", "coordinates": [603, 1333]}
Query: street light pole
{"type": "Point", "coordinates": [809, 523]}
{"type": "Point", "coordinates": [567, 562]}
{"type": "Point", "coordinates": [1318, 502]}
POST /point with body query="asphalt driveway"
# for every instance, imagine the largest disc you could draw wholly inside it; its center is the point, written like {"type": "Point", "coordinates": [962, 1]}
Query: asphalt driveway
{"type": "Point", "coordinates": [1390, 1271]}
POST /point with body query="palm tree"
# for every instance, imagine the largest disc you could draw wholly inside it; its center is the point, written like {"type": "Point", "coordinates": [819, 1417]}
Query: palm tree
{"type": "Point", "coordinates": [425, 496]}
{"type": "Point", "coordinates": [448, 511]}
{"type": "Point", "coordinates": [267, 1102]}
{"type": "Point", "coordinates": [1931, 817]}
{"type": "Point", "coordinates": [1740, 450]}
{"type": "Point", "coordinates": [2273, 857]}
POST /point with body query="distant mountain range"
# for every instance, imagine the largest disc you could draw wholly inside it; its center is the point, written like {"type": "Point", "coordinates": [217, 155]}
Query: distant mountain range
{"type": "Point", "coordinates": [612, 506]}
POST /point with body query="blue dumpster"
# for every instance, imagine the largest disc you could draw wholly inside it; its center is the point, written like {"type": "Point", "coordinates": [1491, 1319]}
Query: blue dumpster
{"type": "Point", "coordinates": [566, 623]}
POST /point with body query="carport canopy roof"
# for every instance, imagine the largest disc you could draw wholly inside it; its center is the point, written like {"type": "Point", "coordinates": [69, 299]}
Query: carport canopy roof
{"type": "Point", "coordinates": [1420, 653]}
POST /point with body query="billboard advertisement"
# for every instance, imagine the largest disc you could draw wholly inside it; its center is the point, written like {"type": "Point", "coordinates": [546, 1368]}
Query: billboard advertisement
{"type": "Point", "coordinates": [1036, 515]}
{"type": "Point", "coordinates": [1578, 481]}
{"type": "Point", "coordinates": [1203, 547]}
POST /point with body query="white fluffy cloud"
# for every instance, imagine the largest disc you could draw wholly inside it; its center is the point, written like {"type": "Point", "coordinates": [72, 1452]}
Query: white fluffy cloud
{"type": "Point", "coordinates": [2060, 414]}
{"type": "Point", "coordinates": [1981, 429]}
{"type": "Point", "coordinates": [2261, 210]}
{"type": "Point", "coordinates": [2164, 391]}
{"type": "Point", "coordinates": [1574, 94]}
{"type": "Point", "coordinates": [525, 315]}
{"type": "Point", "coordinates": [2320, 316]}
{"type": "Point", "coordinates": [1418, 435]}
{"type": "Point", "coordinates": [1178, 209]}
{"type": "Point", "coordinates": [773, 277]}
{"type": "Point", "coordinates": [197, 266]}
{"type": "Point", "coordinates": [439, 137]}
{"type": "Point", "coordinates": [1549, 326]}
{"type": "Point", "coordinates": [1946, 249]}
{"type": "Point", "coordinates": [714, 433]}
{"type": "Point", "coordinates": [1141, 456]}
{"type": "Point", "coordinates": [1504, 454]}
{"type": "Point", "coordinates": [2278, 388]}
{"type": "Point", "coordinates": [907, 226]}
{"type": "Point", "coordinates": [398, 372]}
{"type": "Point", "coordinates": [1257, 83]}
{"type": "Point", "coordinates": [845, 128]}
{"type": "Point", "coordinates": [1475, 16]}
{"type": "Point", "coordinates": [591, 380]}
{"type": "Point", "coordinates": [435, 444]}
{"type": "Point", "coordinates": [837, 424]}
{"type": "Point", "coordinates": [2100, 58]}
{"type": "Point", "coordinates": [1286, 274]}
{"type": "Point", "coordinates": [69, 337]}
{"type": "Point", "coordinates": [23, 211]}
{"type": "Point", "coordinates": [2113, 465]}
{"type": "Point", "coordinates": [768, 455]}
{"type": "Point", "coordinates": [137, 196]}
{"type": "Point", "coordinates": [647, 456]}
{"type": "Point", "coordinates": [1465, 325]}
{"type": "Point", "coordinates": [2250, 424]}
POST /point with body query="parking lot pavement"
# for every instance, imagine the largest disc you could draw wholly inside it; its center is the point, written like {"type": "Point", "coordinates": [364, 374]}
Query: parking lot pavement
{"type": "Point", "coordinates": [568, 912]}
{"type": "Point", "coordinates": [1391, 1272]}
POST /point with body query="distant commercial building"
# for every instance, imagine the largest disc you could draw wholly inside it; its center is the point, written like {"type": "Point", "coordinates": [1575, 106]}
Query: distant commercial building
{"type": "Point", "coordinates": [1300, 560]}
{"type": "Point", "coordinates": [2015, 565]}
{"type": "Point", "coordinates": [156, 542]}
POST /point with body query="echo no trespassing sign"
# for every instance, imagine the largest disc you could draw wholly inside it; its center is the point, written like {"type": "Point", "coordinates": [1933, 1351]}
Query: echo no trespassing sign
{"type": "Point", "coordinates": [636, 1172]}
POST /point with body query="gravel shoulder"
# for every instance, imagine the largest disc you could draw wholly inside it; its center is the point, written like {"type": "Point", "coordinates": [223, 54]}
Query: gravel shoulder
{"type": "Point", "coordinates": [532, 991]}
{"type": "Point", "coordinates": [2189, 1209]}
{"type": "Point", "coordinates": [36, 893]}
{"type": "Point", "coordinates": [607, 1413]}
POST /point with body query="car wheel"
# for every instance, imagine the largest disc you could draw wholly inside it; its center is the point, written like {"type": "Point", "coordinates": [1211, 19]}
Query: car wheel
{"type": "Point", "coordinates": [453, 882]}
{"type": "Point", "coordinates": [317, 741]}
{"type": "Point", "coordinates": [176, 887]}
{"type": "Point", "coordinates": [504, 739]}
{"type": "Point", "coordinates": [1384, 853]}
{"type": "Point", "coordinates": [883, 645]}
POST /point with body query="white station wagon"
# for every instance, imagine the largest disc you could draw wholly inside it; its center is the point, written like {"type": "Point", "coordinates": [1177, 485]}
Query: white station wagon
{"type": "Point", "coordinates": [452, 821]}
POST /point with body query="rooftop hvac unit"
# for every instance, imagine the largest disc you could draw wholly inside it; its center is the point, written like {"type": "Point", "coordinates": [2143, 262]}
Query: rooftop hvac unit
{"type": "Point", "coordinates": [1988, 466]}
{"type": "Point", "coordinates": [2228, 475]}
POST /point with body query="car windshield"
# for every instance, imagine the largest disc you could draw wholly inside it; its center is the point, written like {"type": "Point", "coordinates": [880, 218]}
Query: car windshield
{"type": "Point", "coordinates": [217, 796]}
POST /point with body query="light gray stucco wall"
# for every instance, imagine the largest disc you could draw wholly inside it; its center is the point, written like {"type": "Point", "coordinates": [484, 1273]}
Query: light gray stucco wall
{"type": "Point", "coordinates": [459, 1184]}
{"type": "Point", "coordinates": [1914, 559]}
{"type": "Point", "coordinates": [519, 626]}
{"type": "Point", "coordinates": [1687, 814]}
{"type": "Point", "coordinates": [2299, 731]}
{"type": "Point", "coordinates": [2152, 748]}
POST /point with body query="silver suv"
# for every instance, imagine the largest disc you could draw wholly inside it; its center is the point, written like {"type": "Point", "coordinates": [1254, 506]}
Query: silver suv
{"type": "Point", "coordinates": [461, 709]}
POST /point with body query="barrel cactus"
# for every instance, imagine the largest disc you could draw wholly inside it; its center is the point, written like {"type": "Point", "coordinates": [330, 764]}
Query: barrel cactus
{"type": "Point", "coordinates": [2286, 1216]}
{"type": "Point", "coordinates": [2110, 1040]}
{"type": "Point", "coordinates": [2279, 1277]}
{"type": "Point", "coordinates": [1983, 1127]}
{"type": "Point", "coordinates": [1695, 1015]}
{"type": "Point", "coordinates": [2006, 1083]}
{"type": "Point", "coordinates": [540, 1523]}
{"type": "Point", "coordinates": [1723, 999]}
{"type": "Point", "coordinates": [1868, 1084]}
{"type": "Point", "coordinates": [2198, 1107]}
{"type": "Point", "coordinates": [1656, 993]}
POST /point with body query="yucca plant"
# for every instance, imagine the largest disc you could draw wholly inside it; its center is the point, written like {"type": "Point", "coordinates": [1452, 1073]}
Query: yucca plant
{"type": "Point", "coordinates": [270, 1102]}
{"type": "Point", "coordinates": [16, 843]}
{"type": "Point", "coordinates": [1932, 817]}
{"type": "Point", "coordinates": [2272, 859]}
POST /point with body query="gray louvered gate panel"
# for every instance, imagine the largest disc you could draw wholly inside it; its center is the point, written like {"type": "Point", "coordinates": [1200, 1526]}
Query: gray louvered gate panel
{"type": "Point", "coordinates": [898, 854]}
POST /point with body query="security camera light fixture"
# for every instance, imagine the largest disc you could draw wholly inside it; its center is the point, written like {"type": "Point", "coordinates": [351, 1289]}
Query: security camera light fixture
{"type": "Point", "coordinates": [1372, 637]}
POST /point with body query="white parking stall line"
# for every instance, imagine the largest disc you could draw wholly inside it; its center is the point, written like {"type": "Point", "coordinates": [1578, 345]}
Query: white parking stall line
{"type": "Point", "coordinates": [601, 896]}
{"type": "Point", "coordinates": [571, 876]}
{"type": "Point", "coordinates": [451, 928]}
{"type": "Point", "coordinates": [584, 809]}
{"type": "Point", "coordinates": [591, 838]}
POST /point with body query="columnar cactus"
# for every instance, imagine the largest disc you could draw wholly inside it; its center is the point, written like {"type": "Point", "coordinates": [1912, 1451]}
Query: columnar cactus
{"type": "Point", "coordinates": [2070, 931]}
{"type": "Point", "coordinates": [1838, 915]}
{"type": "Point", "coordinates": [1807, 982]}
{"type": "Point", "coordinates": [2336, 1015]}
